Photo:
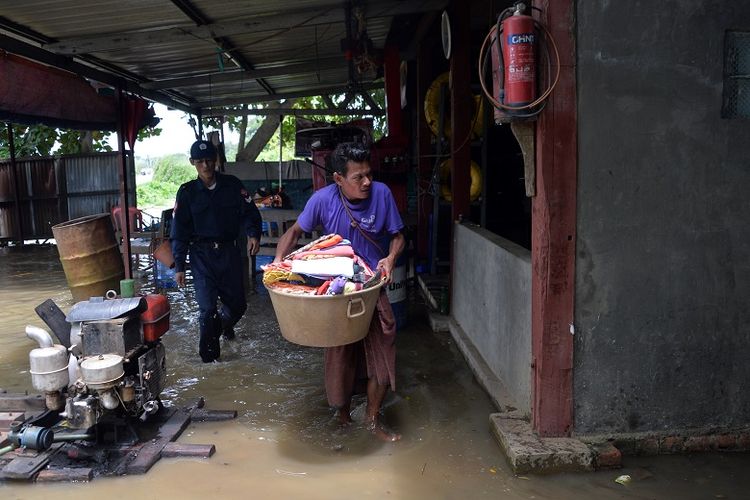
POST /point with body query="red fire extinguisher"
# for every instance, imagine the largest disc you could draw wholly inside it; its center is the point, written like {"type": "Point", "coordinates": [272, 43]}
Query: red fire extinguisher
{"type": "Point", "coordinates": [519, 61]}
{"type": "Point", "coordinates": [513, 49]}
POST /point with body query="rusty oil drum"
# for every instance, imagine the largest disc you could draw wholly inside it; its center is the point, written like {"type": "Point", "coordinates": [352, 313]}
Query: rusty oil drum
{"type": "Point", "coordinates": [90, 255]}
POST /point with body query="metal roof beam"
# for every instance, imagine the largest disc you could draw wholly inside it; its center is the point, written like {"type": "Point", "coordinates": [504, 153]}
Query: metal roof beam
{"type": "Point", "coordinates": [263, 23]}
{"type": "Point", "coordinates": [238, 76]}
{"type": "Point", "coordinates": [198, 17]}
{"type": "Point", "coordinates": [255, 99]}
{"type": "Point", "coordinates": [369, 100]}
{"type": "Point", "coordinates": [328, 101]}
{"type": "Point", "coordinates": [296, 112]}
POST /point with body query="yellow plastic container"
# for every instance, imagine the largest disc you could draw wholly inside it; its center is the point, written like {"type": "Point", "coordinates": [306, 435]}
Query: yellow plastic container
{"type": "Point", "coordinates": [325, 320]}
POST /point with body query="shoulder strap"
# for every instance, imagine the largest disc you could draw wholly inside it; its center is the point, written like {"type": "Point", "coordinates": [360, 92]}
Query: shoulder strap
{"type": "Point", "coordinates": [354, 223]}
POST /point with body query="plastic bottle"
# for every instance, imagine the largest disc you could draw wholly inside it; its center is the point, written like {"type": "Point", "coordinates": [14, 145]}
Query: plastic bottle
{"type": "Point", "coordinates": [165, 276]}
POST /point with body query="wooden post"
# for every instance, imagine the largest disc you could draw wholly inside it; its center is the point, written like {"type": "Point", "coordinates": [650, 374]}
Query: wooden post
{"type": "Point", "coordinates": [14, 180]}
{"type": "Point", "coordinates": [123, 174]}
{"type": "Point", "coordinates": [553, 229]}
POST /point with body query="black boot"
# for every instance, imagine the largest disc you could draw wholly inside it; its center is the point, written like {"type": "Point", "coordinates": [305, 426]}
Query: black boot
{"type": "Point", "coordinates": [209, 348]}
{"type": "Point", "coordinates": [227, 326]}
{"type": "Point", "coordinates": [228, 333]}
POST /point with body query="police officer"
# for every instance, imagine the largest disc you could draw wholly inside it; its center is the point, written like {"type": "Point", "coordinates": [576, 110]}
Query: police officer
{"type": "Point", "coordinates": [209, 213]}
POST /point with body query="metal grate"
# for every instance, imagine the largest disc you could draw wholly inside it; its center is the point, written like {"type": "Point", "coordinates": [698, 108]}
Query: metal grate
{"type": "Point", "coordinates": [736, 101]}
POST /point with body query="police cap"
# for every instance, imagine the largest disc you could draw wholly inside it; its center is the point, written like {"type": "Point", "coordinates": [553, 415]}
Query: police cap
{"type": "Point", "coordinates": [202, 150]}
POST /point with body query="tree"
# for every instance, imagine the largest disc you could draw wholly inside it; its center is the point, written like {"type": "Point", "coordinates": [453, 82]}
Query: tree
{"type": "Point", "coordinates": [173, 169]}
{"type": "Point", "coordinates": [247, 125]}
{"type": "Point", "coordinates": [41, 140]}
{"type": "Point", "coordinates": [169, 173]}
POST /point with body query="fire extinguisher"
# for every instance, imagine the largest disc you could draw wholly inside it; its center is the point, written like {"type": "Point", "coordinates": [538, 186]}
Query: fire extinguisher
{"type": "Point", "coordinates": [519, 62]}
{"type": "Point", "coordinates": [514, 49]}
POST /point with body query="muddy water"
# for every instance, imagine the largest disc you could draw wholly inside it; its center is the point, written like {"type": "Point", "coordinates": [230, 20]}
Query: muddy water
{"type": "Point", "coordinates": [284, 443]}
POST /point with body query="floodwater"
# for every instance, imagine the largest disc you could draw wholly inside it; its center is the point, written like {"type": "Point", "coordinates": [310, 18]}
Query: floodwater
{"type": "Point", "coordinates": [284, 443]}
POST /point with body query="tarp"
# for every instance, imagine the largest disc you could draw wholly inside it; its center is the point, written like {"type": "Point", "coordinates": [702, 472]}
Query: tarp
{"type": "Point", "coordinates": [32, 93]}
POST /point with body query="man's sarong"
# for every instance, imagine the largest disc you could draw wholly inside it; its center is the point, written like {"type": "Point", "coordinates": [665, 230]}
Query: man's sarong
{"type": "Point", "coordinates": [348, 367]}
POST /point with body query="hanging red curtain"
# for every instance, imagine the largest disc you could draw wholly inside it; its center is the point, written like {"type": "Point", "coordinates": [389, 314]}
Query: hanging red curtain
{"type": "Point", "coordinates": [136, 115]}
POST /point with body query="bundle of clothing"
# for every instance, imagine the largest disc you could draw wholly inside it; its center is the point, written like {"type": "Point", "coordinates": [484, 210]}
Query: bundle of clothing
{"type": "Point", "coordinates": [326, 266]}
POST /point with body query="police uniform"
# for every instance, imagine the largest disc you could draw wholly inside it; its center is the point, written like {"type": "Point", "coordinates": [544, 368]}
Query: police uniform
{"type": "Point", "coordinates": [207, 223]}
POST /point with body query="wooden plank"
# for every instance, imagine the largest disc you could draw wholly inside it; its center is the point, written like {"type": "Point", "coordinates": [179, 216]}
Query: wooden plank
{"type": "Point", "coordinates": [21, 402]}
{"type": "Point", "coordinates": [120, 466]}
{"type": "Point", "coordinates": [24, 467]}
{"type": "Point", "coordinates": [143, 456]}
{"type": "Point", "coordinates": [54, 318]}
{"type": "Point", "coordinates": [67, 474]}
{"type": "Point", "coordinates": [188, 450]}
{"type": "Point", "coordinates": [8, 417]}
{"type": "Point", "coordinates": [214, 415]}
{"type": "Point", "coordinates": [150, 453]}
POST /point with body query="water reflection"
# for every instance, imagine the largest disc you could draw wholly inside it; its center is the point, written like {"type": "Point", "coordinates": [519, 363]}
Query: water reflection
{"type": "Point", "coordinates": [285, 443]}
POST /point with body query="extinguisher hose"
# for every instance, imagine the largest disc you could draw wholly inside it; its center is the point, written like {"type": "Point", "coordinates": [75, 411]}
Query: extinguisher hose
{"type": "Point", "coordinates": [483, 58]}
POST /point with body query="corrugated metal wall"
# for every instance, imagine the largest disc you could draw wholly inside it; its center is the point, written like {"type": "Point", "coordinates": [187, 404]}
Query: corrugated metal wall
{"type": "Point", "coordinates": [38, 191]}
{"type": "Point", "coordinates": [92, 183]}
{"type": "Point", "coordinates": [53, 190]}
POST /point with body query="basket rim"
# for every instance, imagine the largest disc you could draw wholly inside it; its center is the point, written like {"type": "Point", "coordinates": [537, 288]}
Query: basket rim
{"type": "Point", "coordinates": [319, 297]}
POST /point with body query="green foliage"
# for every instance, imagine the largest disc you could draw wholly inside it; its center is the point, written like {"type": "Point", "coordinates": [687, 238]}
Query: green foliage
{"type": "Point", "coordinates": [173, 169]}
{"type": "Point", "coordinates": [230, 150]}
{"type": "Point", "coordinates": [169, 173]}
{"type": "Point", "coordinates": [70, 142]}
{"type": "Point", "coordinates": [36, 140]}
{"type": "Point", "coordinates": [156, 194]}
{"type": "Point", "coordinates": [41, 140]}
{"type": "Point", "coordinates": [147, 132]}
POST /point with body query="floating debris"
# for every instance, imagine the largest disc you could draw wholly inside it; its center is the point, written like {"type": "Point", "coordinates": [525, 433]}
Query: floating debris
{"type": "Point", "coordinates": [290, 473]}
{"type": "Point", "coordinates": [624, 479]}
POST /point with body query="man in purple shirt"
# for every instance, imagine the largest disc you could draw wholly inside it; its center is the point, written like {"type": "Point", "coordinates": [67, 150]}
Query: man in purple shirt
{"type": "Point", "coordinates": [364, 212]}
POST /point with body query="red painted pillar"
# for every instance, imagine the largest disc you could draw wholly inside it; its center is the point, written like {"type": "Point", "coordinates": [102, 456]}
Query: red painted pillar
{"type": "Point", "coordinates": [553, 238]}
{"type": "Point", "coordinates": [424, 162]}
{"type": "Point", "coordinates": [391, 64]}
{"type": "Point", "coordinates": [460, 109]}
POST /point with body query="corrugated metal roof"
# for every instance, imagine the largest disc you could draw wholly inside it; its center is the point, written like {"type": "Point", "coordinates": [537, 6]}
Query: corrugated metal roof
{"type": "Point", "coordinates": [133, 36]}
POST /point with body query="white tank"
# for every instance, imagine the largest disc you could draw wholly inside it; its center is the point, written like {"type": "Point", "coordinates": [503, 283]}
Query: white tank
{"type": "Point", "coordinates": [49, 368]}
{"type": "Point", "coordinates": [101, 372]}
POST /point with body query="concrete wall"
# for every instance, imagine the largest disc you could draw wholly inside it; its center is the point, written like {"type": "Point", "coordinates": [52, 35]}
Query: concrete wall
{"type": "Point", "coordinates": [491, 302]}
{"type": "Point", "coordinates": [663, 251]}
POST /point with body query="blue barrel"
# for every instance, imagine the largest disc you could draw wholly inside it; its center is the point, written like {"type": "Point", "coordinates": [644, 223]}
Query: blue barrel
{"type": "Point", "coordinates": [397, 292]}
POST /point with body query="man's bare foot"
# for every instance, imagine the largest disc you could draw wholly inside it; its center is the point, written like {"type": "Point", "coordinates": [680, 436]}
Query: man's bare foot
{"type": "Point", "coordinates": [344, 418]}
{"type": "Point", "coordinates": [381, 431]}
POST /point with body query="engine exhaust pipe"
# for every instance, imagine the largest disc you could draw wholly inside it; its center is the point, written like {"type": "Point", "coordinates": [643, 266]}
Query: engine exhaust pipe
{"type": "Point", "coordinates": [43, 338]}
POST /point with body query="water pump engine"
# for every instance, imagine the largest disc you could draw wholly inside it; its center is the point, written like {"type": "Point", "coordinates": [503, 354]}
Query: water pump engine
{"type": "Point", "coordinates": [116, 363]}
